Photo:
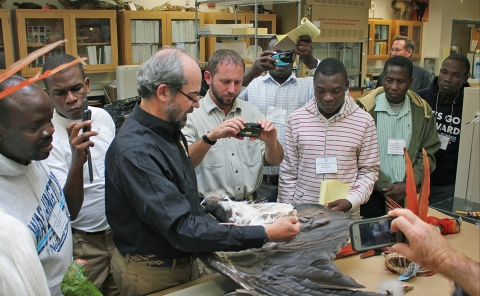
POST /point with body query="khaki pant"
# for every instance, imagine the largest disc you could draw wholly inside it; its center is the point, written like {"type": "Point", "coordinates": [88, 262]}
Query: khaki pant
{"type": "Point", "coordinates": [136, 278]}
{"type": "Point", "coordinates": [97, 249]}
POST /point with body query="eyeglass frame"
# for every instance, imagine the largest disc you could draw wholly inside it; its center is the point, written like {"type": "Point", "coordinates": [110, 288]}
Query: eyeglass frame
{"type": "Point", "coordinates": [189, 97]}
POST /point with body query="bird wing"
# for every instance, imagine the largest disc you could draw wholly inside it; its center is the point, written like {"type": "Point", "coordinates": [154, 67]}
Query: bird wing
{"type": "Point", "coordinates": [302, 266]}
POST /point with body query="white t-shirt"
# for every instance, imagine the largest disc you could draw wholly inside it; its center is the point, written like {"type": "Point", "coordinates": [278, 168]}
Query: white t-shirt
{"type": "Point", "coordinates": [92, 215]}
{"type": "Point", "coordinates": [32, 194]}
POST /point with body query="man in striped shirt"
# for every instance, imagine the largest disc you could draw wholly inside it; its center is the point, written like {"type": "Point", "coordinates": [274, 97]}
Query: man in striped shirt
{"type": "Point", "coordinates": [329, 129]}
{"type": "Point", "coordinates": [403, 120]}
{"type": "Point", "coordinates": [278, 94]}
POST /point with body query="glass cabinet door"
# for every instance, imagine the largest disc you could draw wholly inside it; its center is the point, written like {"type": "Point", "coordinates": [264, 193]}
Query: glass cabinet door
{"type": "Point", "coordinates": [146, 38]}
{"type": "Point", "coordinates": [182, 33]}
{"type": "Point", "coordinates": [95, 35]}
{"type": "Point", "coordinates": [381, 40]}
{"type": "Point", "coordinates": [403, 30]}
{"type": "Point", "coordinates": [94, 40]}
{"type": "Point", "coordinates": [3, 63]}
{"type": "Point", "coordinates": [41, 31]}
{"type": "Point", "coordinates": [417, 37]}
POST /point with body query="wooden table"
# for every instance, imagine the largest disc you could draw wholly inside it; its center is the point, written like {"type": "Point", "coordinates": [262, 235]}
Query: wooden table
{"type": "Point", "coordinates": [369, 272]}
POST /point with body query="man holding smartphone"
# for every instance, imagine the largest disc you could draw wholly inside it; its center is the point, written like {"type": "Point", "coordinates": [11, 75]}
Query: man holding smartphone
{"type": "Point", "coordinates": [92, 236]}
{"type": "Point", "coordinates": [222, 159]}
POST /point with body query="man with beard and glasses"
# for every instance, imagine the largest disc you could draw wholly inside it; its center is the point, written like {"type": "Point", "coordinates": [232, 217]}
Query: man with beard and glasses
{"type": "Point", "coordinates": [278, 94]}
{"type": "Point", "coordinates": [403, 120]}
{"type": "Point", "coordinates": [223, 160]}
{"type": "Point", "coordinates": [445, 96]}
{"type": "Point", "coordinates": [92, 236]}
{"type": "Point", "coordinates": [151, 194]}
{"type": "Point", "coordinates": [29, 190]}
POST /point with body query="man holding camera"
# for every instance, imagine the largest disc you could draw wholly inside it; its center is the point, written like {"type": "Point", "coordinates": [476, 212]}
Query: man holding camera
{"type": "Point", "coordinates": [222, 159]}
{"type": "Point", "coordinates": [278, 94]}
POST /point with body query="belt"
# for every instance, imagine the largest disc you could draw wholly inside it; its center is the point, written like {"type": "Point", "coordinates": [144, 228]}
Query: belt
{"type": "Point", "coordinates": [270, 179]}
{"type": "Point", "coordinates": [81, 232]}
{"type": "Point", "coordinates": [153, 260]}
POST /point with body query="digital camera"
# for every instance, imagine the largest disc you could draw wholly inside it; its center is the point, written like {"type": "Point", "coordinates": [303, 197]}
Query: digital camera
{"type": "Point", "coordinates": [284, 58]}
{"type": "Point", "coordinates": [251, 129]}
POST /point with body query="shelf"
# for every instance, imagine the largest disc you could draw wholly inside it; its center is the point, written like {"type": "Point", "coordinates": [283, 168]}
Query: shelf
{"type": "Point", "coordinates": [96, 43]}
{"type": "Point", "coordinates": [245, 2]}
{"type": "Point", "coordinates": [39, 44]}
{"type": "Point", "coordinates": [236, 35]}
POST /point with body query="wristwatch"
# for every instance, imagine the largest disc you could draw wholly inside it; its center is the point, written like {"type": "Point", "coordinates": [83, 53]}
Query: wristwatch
{"type": "Point", "coordinates": [207, 140]}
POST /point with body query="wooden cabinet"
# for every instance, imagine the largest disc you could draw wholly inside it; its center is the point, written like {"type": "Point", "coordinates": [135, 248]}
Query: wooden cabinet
{"type": "Point", "coordinates": [182, 33]}
{"type": "Point", "coordinates": [6, 48]}
{"type": "Point", "coordinates": [143, 33]}
{"type": "Point", "coordinates": [90, 33]}
{"type": "Point", "coordinates": [140, 35]}
{"type": "Point", "coordinates": [413, 30]}
{"type": "Point", "coordinates": [379, 39]}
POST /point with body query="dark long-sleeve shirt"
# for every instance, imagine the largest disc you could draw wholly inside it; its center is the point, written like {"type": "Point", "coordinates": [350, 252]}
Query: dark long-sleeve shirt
{"type": "Point", "coordinates": [152, 201]}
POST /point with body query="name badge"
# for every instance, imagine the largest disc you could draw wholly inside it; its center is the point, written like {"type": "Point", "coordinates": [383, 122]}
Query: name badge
{"type": "Point", "coordinates": [396, 146]}
{"type": "Point", "coordinates": [326, 165]}
{"type": "Point", "coordinates": [276, 115]}
{"type": "Point", "coordinates": [58, 220]}
{"type": "Point", "coordinates": [444, 140]}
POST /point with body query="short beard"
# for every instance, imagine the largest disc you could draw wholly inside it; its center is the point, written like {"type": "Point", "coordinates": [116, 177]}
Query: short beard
{"type": "Point", "coordinates": [174, 115]}
{"type": "Point", "coordinates": [219, 98]}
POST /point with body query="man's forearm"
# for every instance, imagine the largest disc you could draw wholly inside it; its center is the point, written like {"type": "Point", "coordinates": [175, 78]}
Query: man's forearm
{"type": "Point", "coordinates": [249, 75]}
{"type": "Point", "coordinates": [463, 271]}
{"type": "Point", "coordinates": [274, 153]}
{"type": "Point", "coordinates": [197, 151]}
{"type": "Point", "coordinates": [73, 191]}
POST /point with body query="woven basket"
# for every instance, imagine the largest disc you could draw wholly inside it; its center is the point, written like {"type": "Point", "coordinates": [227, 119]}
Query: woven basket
{"type": "Point", "coordinates": [398, 264]}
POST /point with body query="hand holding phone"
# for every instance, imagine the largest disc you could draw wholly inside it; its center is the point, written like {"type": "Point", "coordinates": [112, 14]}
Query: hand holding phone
{"type": "Point", "coordinates": [374, 233]}
{"type": "Point", "coordinates": [251, 129]}
{"type": "Point", "coordinates": [86, 115]}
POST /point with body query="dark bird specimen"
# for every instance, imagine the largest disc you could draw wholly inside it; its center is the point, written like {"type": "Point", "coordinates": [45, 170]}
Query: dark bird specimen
{"type": "Point", "coordinates": [1, 3]}
{"type": "Point", "coordinates": [302, 266]}
{"type": "Point", "coordinates": [421, 7]}
{"type": "Point", "coordinates": [89, 4]}
{"type": "Point", "coordinates": [27, 5]}
{"type": "Point", "coordinates": [403, 8]}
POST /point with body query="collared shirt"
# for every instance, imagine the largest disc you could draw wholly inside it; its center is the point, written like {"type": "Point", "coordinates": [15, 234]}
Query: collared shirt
{"type": "Point", "coordinates": [152, 201]}
{"type": "Point", "coordinates": [393, 126]}
{"type": "Point", "coordinates": [349, 135]}
{"type": "Point", "coordinates": [265, 92]}
{"type": "Point", "coordinates": [231, 164]}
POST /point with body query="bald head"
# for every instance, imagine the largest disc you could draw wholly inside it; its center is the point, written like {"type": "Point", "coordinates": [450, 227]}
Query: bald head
{"type": "Point", "coordinates": [167, 66]}
{"type": "Point", "coordinates": [27, 134]}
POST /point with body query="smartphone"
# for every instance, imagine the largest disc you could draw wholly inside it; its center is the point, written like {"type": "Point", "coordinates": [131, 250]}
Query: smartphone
{"type": "Point", "coordinates": [86, 115]}
{"type": "Point", "coordinates": [374, 233]}
{"type": "Point", "coordinates": [252, 130]}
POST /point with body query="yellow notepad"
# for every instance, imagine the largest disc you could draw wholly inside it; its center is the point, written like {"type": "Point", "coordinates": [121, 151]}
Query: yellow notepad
{"type": "Point", "coordinates": [331, 190]}
{"type": "Point", "coordinates": [289, 41]}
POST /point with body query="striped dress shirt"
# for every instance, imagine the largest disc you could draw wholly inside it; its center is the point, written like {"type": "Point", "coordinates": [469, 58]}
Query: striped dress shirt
{"type": "Point", "coordinates": [393, 126]}
{"type": "Point", "coordinates": [265, 92]}
{"type": "Point", "coordinates": [350, 136]}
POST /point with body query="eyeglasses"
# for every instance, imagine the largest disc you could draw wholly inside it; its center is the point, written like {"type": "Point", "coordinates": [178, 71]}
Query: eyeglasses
{"type": "Point", "coordinates": [189, 97]}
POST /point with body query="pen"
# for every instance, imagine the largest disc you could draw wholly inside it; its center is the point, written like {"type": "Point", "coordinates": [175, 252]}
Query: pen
{"type": "Point", "coordinates": [474, 214]}
{"type": "Point", "coordinates": [89, 161]}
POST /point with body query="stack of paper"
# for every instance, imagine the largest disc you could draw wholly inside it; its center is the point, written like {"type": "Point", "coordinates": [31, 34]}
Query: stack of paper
{"type": "Point", "coordinates": [331, 190]}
